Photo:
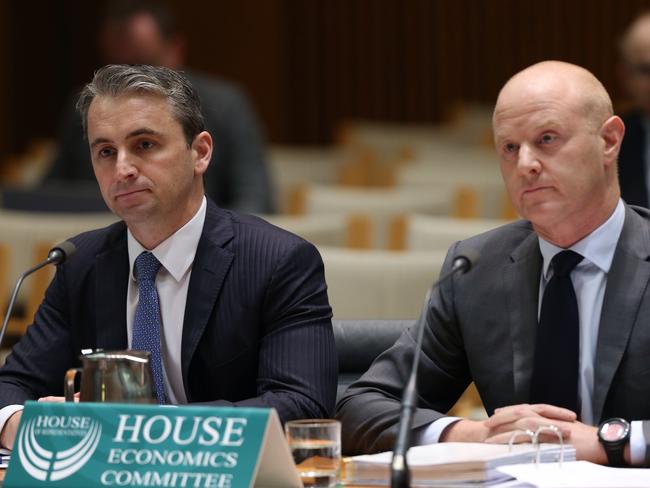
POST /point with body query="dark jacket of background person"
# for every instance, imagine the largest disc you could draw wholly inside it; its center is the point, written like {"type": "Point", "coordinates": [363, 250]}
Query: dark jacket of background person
{"type": "Point", "coordinates": [237, 177]}
{"type": "Point", "coordinates": [632, 163]}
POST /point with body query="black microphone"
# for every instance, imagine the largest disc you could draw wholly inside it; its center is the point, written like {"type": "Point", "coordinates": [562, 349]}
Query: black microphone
{"type": "Point", "coordinates": [57, 255]}
{"type": "Point", "coordinates": [400, 476]}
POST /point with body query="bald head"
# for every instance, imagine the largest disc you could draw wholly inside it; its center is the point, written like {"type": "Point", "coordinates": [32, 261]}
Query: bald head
{"type": "Point", "coordinates": [557, 80]}
{"type": "Point", "coordinates": [558, 141]}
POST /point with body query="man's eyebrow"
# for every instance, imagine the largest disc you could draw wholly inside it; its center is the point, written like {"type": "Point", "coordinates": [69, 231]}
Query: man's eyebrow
{"type": "Point", "coordinates": [143, 131]}
{"type": "Point", "coordinates": [548, 122]}
{"type": "Point", "coordinates": [135, 133]}
{"type": "Point", "coordinates": [99, 140]}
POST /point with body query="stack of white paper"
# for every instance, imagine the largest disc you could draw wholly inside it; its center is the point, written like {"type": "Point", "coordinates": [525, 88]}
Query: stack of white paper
{"type": "Point", "coordinates": [451, 463]}
{"type": "Point", "coordinates": [577, 474]}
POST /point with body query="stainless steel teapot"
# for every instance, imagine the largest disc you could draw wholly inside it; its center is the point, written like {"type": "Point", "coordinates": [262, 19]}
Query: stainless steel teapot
{"type": "Point", "coordinates": [112, 376]}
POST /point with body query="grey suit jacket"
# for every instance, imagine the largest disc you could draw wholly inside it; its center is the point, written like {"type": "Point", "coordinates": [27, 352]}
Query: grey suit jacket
{"type": "Point", "coordinates": [482, 327]}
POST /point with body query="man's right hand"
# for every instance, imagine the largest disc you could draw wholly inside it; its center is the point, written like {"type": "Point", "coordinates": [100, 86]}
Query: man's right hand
{"type": "Point", "coordinates": [500, 426]}
{"type": "Point", "coordinates": [9, 431]}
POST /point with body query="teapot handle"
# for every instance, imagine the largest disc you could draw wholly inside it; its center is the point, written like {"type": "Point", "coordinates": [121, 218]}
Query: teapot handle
{"type": "Point", "coordinates": [68, 384]}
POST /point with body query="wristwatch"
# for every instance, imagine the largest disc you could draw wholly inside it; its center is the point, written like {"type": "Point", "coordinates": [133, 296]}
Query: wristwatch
{"type": "Point", "coordinates": [613, 434]}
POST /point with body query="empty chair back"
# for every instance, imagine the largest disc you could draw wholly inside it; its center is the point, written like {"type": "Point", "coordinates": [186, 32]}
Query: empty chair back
{"type": "Point", "coordinates": [321, 230]}
{"type": "Point", "coordinates": [381, 284]}
{"type": "Point", "coordinates": [27, 237]}
{"type": "Point", "coordinates": [425, 232]}
{"type": "Point", "coordinates": [359, 342]}
{"type": "Point", "coordinates": [380, 206]}
{"type": "Point", "coordinates": [293, 167]}
{"type": "Point", "coordinates": [77, 197]}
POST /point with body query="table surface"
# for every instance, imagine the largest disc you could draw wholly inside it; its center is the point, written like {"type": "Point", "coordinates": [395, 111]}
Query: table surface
{"type": "Point", "coordinates": [3, 471]}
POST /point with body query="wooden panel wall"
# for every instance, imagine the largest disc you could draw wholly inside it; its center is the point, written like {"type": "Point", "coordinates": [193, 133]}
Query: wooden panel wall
{"type": "Point", "coordinates": [309, 63]}
{"type": "Point", "coordinates": [407, 60]}
{"type": "Point", "coordinates": [6, 127]}
{"type": "Point", "coordinates": [53, 53]}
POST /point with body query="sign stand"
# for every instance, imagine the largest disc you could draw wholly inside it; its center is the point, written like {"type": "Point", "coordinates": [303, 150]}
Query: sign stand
{"type": "Point", "coordinates": [111, 444]}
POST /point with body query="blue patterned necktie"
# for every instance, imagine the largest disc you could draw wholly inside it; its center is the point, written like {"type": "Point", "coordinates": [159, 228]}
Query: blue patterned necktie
{"type": "Point", "coordinates": [147, 323]}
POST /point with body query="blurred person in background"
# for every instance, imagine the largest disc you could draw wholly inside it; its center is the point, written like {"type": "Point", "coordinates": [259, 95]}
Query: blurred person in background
{"type": "Point", "coordinates": [634, 158]}
{"type": "Point", "coordinates": [146, 33]}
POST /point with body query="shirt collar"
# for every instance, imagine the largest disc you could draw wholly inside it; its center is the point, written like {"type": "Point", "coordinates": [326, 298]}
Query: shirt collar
{"type": "Point", "coordinates": [176, 253]}
{"type": "Point", "coordinates": [598, 247]}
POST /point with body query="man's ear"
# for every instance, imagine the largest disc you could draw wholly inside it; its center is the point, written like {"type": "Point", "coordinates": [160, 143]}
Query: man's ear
{"type": "Point", "coordinates": [612, 132]}
{"type": "Point", "coordinates": [202, 150]}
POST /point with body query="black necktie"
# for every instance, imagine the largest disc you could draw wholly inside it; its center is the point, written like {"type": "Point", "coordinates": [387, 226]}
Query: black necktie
{"type": "Point", "coordinates": [557, 354]}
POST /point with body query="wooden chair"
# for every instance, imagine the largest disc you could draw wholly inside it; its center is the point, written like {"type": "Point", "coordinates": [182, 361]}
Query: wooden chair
{"type": "Point", "coordinates": [293, 167]}
{"type": "Point", "coordinates": [373, 212]}
{"type": "Point", "coordinates": [34, 292]}
{"type": "Point", "coordinates": [322, 230]}
{"type": "Point", "coordinates": [4, 278]}
{"type": "Point", "coordinates": [426, 232]}
{"type": "Point", "coordinates": [376, 283]}
{"type": "Point", "coordinates": [27, 238]}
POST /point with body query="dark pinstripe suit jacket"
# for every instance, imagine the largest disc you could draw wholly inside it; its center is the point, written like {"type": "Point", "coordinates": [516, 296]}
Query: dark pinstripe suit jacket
{"type": "Point", "coordinates": [257, 328]}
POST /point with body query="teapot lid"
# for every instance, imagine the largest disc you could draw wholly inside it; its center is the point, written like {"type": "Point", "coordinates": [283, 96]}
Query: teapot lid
{"type": "Point", "coordinates": [127, 354]}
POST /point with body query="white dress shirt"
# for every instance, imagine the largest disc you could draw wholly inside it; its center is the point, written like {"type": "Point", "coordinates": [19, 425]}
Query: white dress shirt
{"type": "Point", "coordinates": [176, 254]}
{"type": "Point", "coordinates": [589, 280]}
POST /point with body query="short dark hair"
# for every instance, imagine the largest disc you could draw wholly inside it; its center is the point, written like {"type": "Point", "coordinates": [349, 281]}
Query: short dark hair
{"type": "Point", "coordinates": [114, 80]}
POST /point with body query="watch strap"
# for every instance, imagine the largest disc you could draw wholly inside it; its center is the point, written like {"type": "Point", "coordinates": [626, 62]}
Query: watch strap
{"type": "Point", "coordinates": [615, 453]}
{"type": "Point", "coordinates": [646, 438]}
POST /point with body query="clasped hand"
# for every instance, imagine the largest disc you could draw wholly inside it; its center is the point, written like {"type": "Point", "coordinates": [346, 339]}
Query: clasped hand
{"type": "Point", "coordinates": [506, 420]}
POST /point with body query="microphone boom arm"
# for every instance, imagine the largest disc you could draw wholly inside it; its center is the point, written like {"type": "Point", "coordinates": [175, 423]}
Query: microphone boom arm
{"type": "Point", "coordinates": [57, 255]}
{"type": "Point", "coordinates": [399, 470]}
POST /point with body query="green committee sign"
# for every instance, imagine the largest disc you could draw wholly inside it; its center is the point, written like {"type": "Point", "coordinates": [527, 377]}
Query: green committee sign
{"type": "Point", "coordinates": [104, 444]}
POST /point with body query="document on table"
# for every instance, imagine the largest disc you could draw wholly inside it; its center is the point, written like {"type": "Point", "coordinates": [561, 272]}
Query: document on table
{"type": "Point", "coordinates": [576, 474]}
{"type": "Point", "coordinates": [451, 463]}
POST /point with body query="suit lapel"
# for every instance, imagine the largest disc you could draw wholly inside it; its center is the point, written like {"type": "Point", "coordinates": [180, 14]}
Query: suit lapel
{"type": "Point", "coordinates": [209, 270]}
{"type": "Point", "coordinates": [111, 285]}
{"type": "Point", "coordinates": [521, 281]}
{"type": "Point", "coordinates": [626, 285]}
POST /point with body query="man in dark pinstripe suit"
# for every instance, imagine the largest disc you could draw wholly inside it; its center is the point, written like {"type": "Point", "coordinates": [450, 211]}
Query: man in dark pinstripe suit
{"type": "Point", "coordinates": [244, 314]}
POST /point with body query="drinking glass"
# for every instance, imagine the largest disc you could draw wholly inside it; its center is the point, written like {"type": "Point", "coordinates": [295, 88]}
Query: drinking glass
{"type": "Point", "coordinates": [316, 448]}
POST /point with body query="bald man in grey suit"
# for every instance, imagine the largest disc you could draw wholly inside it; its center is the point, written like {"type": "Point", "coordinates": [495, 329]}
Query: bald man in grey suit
{"type": "Point", "coordinates": [558, 143]}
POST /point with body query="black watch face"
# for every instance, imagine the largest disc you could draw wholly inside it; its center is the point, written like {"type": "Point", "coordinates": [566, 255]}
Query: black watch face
{"type": "Point", "coordinates": [613, 430]}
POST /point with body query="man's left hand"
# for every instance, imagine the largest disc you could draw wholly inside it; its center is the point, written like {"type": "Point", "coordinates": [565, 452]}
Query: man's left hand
{"type": "Point", "coordinates": [585, 440]}
{"type": "Point", "coordinates": [581, 436]}
{"type": "Point", "coordinates": [588, 448]}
